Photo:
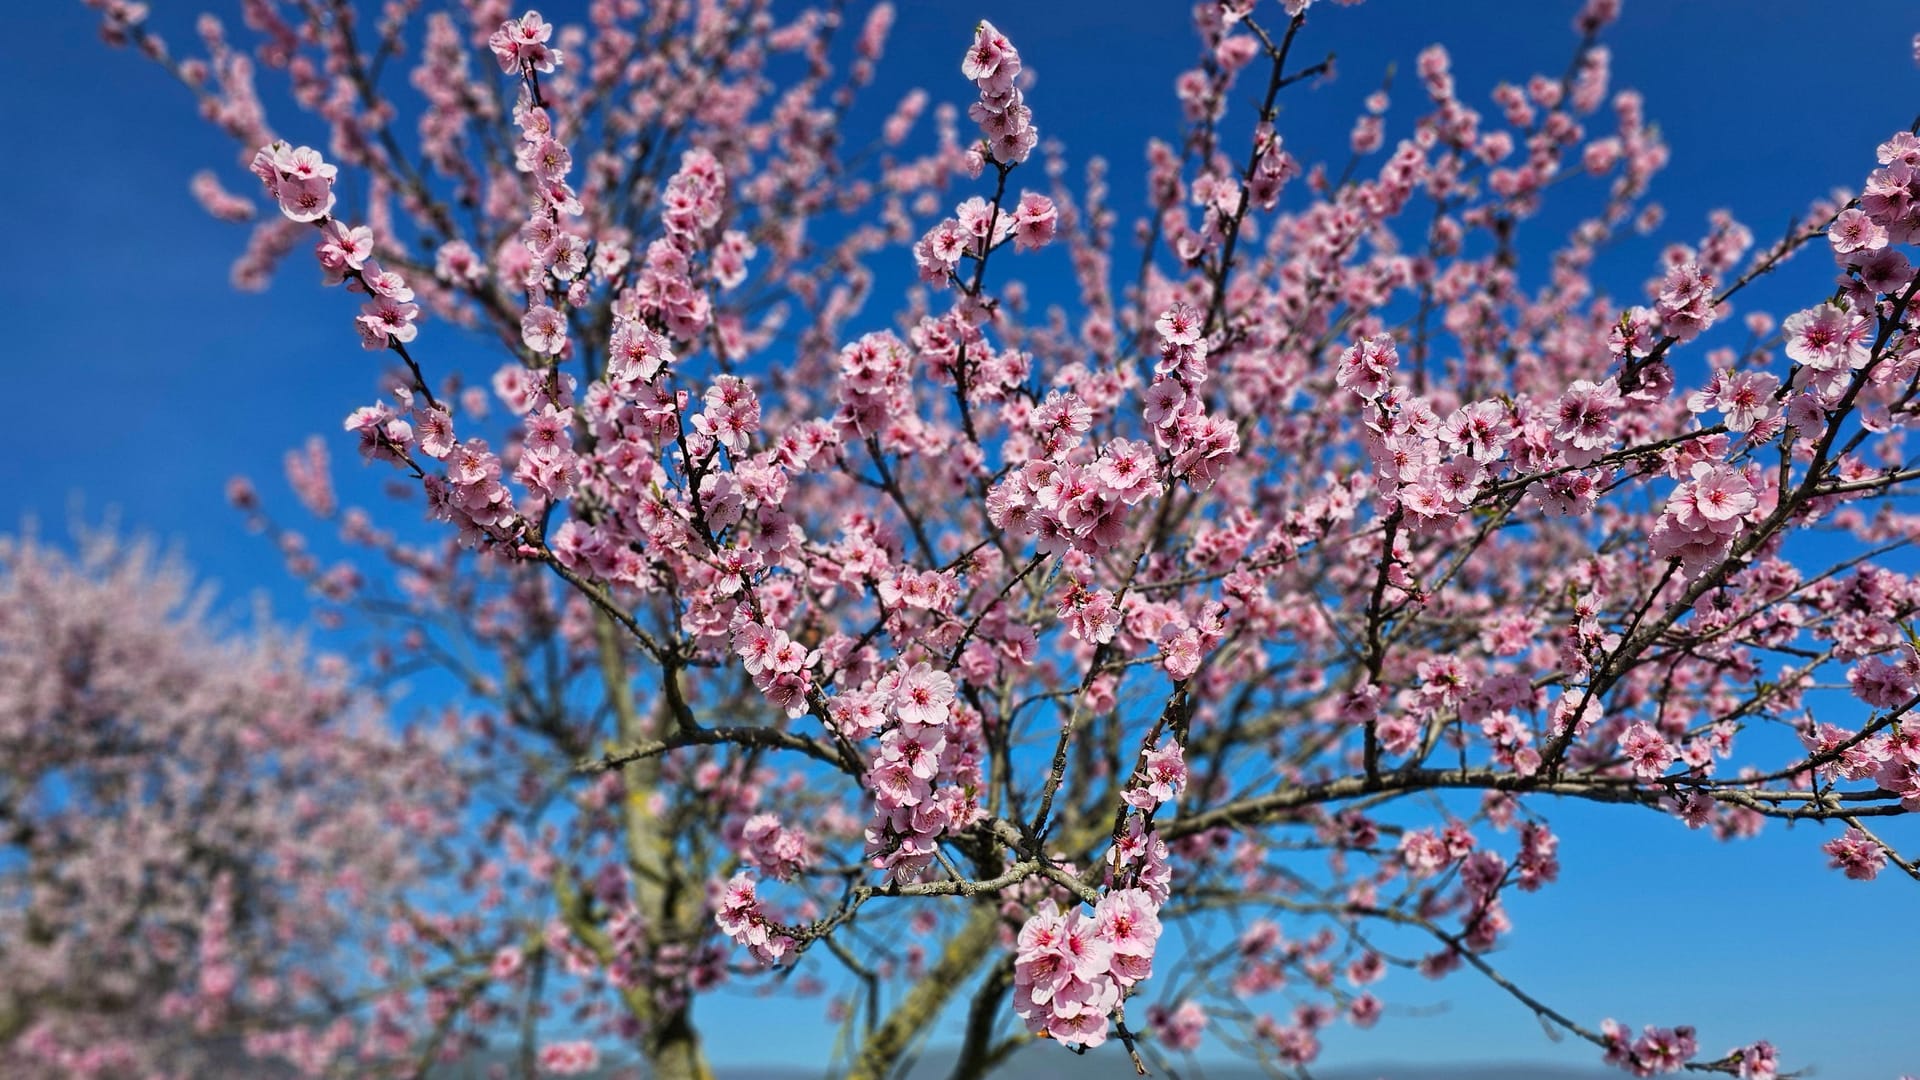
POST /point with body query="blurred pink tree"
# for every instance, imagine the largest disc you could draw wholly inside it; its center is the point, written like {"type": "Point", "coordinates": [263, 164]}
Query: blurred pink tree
{"type": "Point", "coordinates": [203, 835]}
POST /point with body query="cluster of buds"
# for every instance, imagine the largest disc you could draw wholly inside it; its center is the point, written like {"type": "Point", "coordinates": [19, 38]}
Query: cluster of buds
{"type": "Point", "coordinates": [993, 64]}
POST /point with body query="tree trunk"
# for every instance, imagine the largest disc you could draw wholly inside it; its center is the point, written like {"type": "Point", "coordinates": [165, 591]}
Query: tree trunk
{"type": "Point", "coordinates": [672, 1048]}
{"type": "Point", "coordinates": [666, 900]}
{"type": "Point", "coordinates": [970, 947]}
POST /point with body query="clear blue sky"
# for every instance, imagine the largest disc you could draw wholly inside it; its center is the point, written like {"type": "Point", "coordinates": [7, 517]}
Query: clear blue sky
{"type": "Point", "coordinates": [140, 381]}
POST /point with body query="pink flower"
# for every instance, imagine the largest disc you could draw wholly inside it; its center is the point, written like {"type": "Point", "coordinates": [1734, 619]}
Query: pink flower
{"type": "Point", "coordinates": [1758, 1062]}
{"type": "Point", "coordinates": [298, 178]}
{"type": "Point", "coordinates": [435, 430]}
{"type": "Point", "coordinates": [1807, 414]}
{"type": "Point", "coordinates": [755, 645]}
{"type": "Point", "coordinates": [636, 353]}
{"type": "Point", "coordinates": [1181, 1028]}
{"type": "Point", "coordinates": [1033, 222]}
{"type": "Point", "coordinates": [343, 248]}
{"type": "Point", "coordinates": [1826, 338]}
{"type": "Point", "coordinates": [544, 330]}
{"type": "Point", "coordinates": [522, 43]}
{"type": "Point", "coordinates": [1127, 921]}
{"type": "Point", "coordinates": [386, 318]}
{"type": "Point", "coordinates": [1480, 430]}
{"type": "Point", "coordinates": [1856, 854]}
{"type": "Point", "coordinates": [1746, 397]}
{"type": "Point", "coordinates": [924, 697]}
{"type": "Point", "coordinates": [1646, 750]}
{"type": "Point", "coordinates": [1179, 325]}
{"type": "Point", "coordinates": [1366, 368]}
{"type": "Point", "coordinates": [1584, 419]}
{"type": "Point", "coordinates": [1424, 853]}
{"type": "Point", "coordinates": [1181, 653]}
{"type": "Point", "coordinates": [1854, 231]}
{"type": "Point", "coordinates": [1721, 494]}
{"type": "Point", "coordinates": [1165, 773]}
{"type": "Point", "coordinates": [506, 962]}
{"type": "Point", "coordinates": [1886, 270]}
{"type": "Point", "coordinates": [457, 262]}
{"type": "Point", "coordinates": [991, 59]}
{"type": "Point", "coordinates": [1090, 614]}
{"type": "Point", "coordinates": [567, 1058]}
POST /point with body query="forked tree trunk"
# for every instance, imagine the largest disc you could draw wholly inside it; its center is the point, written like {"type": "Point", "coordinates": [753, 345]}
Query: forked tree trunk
{"type": "Point", "coordinates": [665, 899]}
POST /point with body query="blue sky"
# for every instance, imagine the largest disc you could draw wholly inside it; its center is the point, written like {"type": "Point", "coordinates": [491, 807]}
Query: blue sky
{"type": "Point", "coordinates": [140, 381]}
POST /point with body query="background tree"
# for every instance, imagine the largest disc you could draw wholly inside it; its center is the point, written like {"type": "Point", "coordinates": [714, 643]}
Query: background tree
{"type": "Point", "coordinates": [205, 837]}
{"type": "Point", "coordinates": [1275, 591]}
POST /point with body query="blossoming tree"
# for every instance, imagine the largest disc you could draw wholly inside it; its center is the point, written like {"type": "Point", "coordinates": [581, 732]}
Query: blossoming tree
{"type": "Point", "coordinates": [202, 839]}
{"type": "Point", "coordinates": [949, 651]}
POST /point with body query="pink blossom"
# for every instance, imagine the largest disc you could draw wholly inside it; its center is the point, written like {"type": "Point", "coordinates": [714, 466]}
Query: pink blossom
{"type": "Point", "coordinates": [1746, 397]}
{"type": "Point", "coordinates": [544, 330]}
{"type": "Point", "coordinates": [1644, 748]}
{"type": "Point", "coordinates": [924, 696]}
{"type": "Point", "coordinates": [522, 43]}
{"type": "Point", "coordinates": [568, 1058]}
{"type": "Point", "coordinates": [1367, 366]}
{"type": "Point", "coordinates": [1858, 856]}
{"type": "Point", "coordinates": [1826, 339]}
{"type": "Point", "coordinates": [1179, 325]}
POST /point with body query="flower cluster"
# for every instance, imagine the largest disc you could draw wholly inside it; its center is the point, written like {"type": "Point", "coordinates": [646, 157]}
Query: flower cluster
{"type": "Point", "coordinates": [1761, 1062]}
{"type": "Point", "coordinates": [1891, 759]}
{"type": "Point", "coordinates": [1367, 367]}
{"type": "Point", "coordinates": [731, 418]}
{"type": "Point", "coordinates": [1685, 302]}
{"type": "Point", "coordinates": [780, 666]}
{"type": "Point", "coordinates": [1855, 854]}
{"type": "Point", "coordinates": [1073, 499]}
{"type": "Point", "coordinates": [1703, 516]}
{"type": "Point", "coordinates": [1657, 1050]}
{"type": "Point", "coordinates": [547, 465]}
{"type": "Point", "coordinates": [1437, 466]}
{"type": "Point", "coordinates": [1745, 399]}
{"type": "Point", "coordinates": [1646, 750]}
{"type": "Point", "coordinates": [774, 849]}
{"type": "Point", "coordinates": [1200, 443]}
{"type": "Point", "coordinates": [693, 206]}
{"type": "Point", "coordinates": [1140, 860]}
{"type": "Point", "coordinates": [549, 261]}
{"type": "Point", "coordinates": [298, 178]}
{"type": "Point", "coordinates": [874, 384]}
{"type": "Point", "coordinates": [1829, 344]}
{"type": "Point", "coordinates": [740, 916]}
{"type": "Point", "coordinates": [925, 774]}
{"type": "Point", "coordinates": [303, 184]}
{"type": "Point", "coordinates": [1163, 773]}
{"type": "Point", "coordinates": [471, 495]}
{"type": "Point", "coordinates": [1179, 1028]}
{"type": "Point", "coordinates": [1071, 970]}
{"type": "Point", "coordinates": [521, 45]}
{"type": "Point", "coordinates": [569, 1058]}
{"type": "Point", "coordinates": [1891, 200]}
{"type": "Point", "coordinates": [977, 228]}
{"type": "Point", "coordinates": [994, 66]}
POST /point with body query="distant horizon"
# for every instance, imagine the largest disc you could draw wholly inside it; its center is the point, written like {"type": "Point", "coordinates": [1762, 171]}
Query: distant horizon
{"type": "Point", "coordinates": [1047, 1063]}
